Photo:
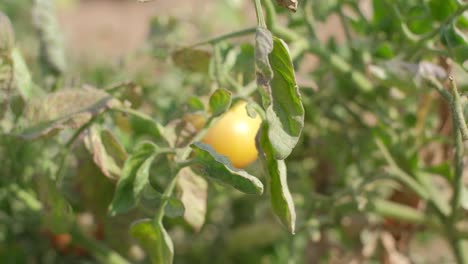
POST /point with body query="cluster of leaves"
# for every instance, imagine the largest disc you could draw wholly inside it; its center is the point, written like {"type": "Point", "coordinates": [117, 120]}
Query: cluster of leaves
{"type": "Point", "coordinates": [364, 149]}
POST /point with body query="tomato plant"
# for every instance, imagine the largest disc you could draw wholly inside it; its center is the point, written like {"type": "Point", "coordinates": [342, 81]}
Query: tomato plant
{"type": "Point", "coordinates": [308, 132]}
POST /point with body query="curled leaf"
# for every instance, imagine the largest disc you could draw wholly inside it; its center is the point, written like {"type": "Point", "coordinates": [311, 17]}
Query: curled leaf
{"type": "Point", "coordinates": [108, 153]}
{"type": "Point", "coordinates": [289, 4]}
{"type": "Point", "coordinates": [211, 164]}
{"type": "Point", "coordinates": [220, 101]}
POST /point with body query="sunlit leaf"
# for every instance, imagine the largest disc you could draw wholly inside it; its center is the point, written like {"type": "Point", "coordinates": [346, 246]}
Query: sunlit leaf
{"type": "Point", "coordinates": [217, 167]}
{"type": "Point", "coordinates": [285, 113]}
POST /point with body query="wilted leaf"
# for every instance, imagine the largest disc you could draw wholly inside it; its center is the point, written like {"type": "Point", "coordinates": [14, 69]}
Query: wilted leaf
{"type": "Point", "coordinates": [192, 60]}
{"type": "Point", "coordinates": [108, 153]}
{"type": "Point", "coordinates": [220, 101]}
{"type": "Point", "coordinates": [289, 4]}
{"type": "Point", "coordinates": [69, 108]}
{"type": "Point", "coordinates": [155, 241]}
{"type": "Point", "coordinates": [263, 47]}
{"type": "Point", "coordinates": [217, 167]}
{"type": "Point", "coordinates": [7, 36]}
{"type": "Point", "coordinates": [280, 196]}
{"type": "Point", "coordinates": [285, 113]}
{"type": "Point", "coordinates": [134, 177]}
{"type": "Point", "coordinates": [193, 192]}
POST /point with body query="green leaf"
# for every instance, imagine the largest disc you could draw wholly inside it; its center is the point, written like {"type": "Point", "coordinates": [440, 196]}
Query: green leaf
{"type": "Point", "coordinates": [134, 178]}
{"type": "Point", "coordinates": [192, 60]}
{"type": "Point", "coordinates": [419, 20]}
{"type": "Point", "coordinates": [263, 47]}
{"type": "Point", "coordinates": [280, 196]}
{"type": "Point", "coordinates": [285, 113]}
{"type": "Point", "coordinates": [174, 208]}
{"type": "Point", "coordinates": [211, 164]}
{"type": "Point", "coordinates": [108, 153]}
{"type": "Point", "coordinates": [193, 192]}
{"type": "Point", "coordinates": [69, 108]}
{"type": "Point", "coordinates": [442, 9]}
{"type": "Point", "coordinates": [144, 124]}
{"type": "Point", "coordinates": [195, 104]}
{"type": "Point", "coordinates": [456, 43]}
{"type": "Point", "coordinates": [152, 200]}
{"type": "Point", "coordinates": [220, 101]}
{"type": "Point", "coordinates": [452, 37]}
{"type": "Point", "coordinates": [155, 241]}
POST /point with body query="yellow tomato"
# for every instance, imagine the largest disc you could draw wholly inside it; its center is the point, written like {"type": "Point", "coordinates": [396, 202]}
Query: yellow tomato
{"type": "Point", "coordinates": [233, 135]}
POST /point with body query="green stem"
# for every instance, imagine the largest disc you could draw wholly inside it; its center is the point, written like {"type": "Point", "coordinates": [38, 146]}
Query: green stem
{"type": "Point", "coordinates": [100, 251]}
{"type": "Point", "coordinates": [405, 213]}
{"type": "Point", "coordinates": [271, 22]}
{"type": "Point", "coordinates": [457, 111]}
{"type": "Point", "coordinates": [399, 173]}
{"type": "Point", "coordinates": [270, 13]}
{"type": "Point", "coordinates": [434, 83]}
{"type": "Point", "coordinates": [260, 18]}
{"type": "Point", "coordinates": [234, 34]}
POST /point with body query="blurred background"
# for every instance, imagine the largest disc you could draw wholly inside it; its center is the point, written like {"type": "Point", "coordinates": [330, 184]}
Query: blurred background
{"type": "Point", "coordinates": [332, 171]}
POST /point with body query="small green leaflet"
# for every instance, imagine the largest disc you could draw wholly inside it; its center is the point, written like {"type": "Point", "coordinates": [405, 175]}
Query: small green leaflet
{"type": "Point", "coordinates": [155, 240]}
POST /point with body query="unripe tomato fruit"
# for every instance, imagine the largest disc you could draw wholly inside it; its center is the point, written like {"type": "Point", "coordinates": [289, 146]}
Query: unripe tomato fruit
{"type": "Point", "coordinates": [233, 135]}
